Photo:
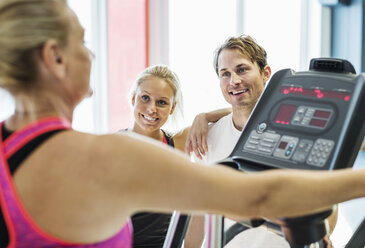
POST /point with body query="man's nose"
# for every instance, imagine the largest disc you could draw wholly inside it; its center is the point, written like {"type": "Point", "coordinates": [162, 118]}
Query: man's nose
{"type": "Point", "coordinates": [235, 79]}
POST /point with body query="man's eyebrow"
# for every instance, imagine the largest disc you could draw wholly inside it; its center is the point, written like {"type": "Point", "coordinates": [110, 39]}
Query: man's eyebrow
{"type": "Point", "coordinates": [237, 66]}
{"type": "Point", "coordinates": [240, 65]}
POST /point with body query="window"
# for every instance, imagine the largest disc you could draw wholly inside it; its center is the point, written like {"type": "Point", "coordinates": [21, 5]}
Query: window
{"type": "Point", "coordinates": [7, 105]}
{"type": "Point", "coordinates": [290, 31]}
{"type": "Point", "coordinates": [91, 115]}
{"type": "Point", "coordinates": [196, 29]}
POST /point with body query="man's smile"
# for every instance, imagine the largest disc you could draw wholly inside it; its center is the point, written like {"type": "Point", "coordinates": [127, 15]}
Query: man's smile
{"type": "Point", "coordinates": [238, 92]}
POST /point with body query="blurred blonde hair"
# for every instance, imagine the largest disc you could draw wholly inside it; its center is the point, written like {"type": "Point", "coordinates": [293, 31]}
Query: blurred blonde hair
{"type": "Point", "coordinates": [25, 27]}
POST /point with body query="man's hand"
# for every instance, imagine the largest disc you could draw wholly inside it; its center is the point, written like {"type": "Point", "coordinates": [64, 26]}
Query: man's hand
{"type": "Point", "coordinates": [196, 140]}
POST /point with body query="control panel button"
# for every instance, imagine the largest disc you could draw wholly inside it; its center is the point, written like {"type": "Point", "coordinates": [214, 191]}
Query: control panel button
{"type": "Point", "coordinates": [261, 128]}
{"type": "Point", "coordinates": [285, 147]}
{"type": "Point", "coordinates": [263, 143]}
{"type": "Point", "coordinates": [321, 151]}
{"type": "Point", "coordinates": [312, 117]}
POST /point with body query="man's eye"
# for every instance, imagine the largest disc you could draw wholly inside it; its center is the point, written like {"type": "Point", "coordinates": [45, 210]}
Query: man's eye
{"type": "Point", "coordinates": [241, 70]}
{"type": "Point", "coordinates": [225, 74]}
{"type": "Point", "coordinates": [145, 98]}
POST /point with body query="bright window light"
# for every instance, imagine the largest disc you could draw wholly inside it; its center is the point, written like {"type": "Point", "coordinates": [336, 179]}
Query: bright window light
{"type": "Point", "coordinates": [196, 28]}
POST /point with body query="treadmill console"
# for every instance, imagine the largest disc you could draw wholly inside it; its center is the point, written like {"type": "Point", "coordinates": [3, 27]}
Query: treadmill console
{"type": "Point", "coordinates": [311, 120]}
{"type": "Point", "coordinates": [304, 120]}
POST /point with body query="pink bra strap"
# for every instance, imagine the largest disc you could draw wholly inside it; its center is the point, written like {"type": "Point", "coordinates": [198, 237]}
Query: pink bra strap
{"type": "Point", "coordinates": [22, 229]}
{"type": "Point", "coordinates": [19, 138]}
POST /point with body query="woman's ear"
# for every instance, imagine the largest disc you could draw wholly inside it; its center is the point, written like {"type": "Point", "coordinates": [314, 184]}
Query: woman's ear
{"type": "Point", "coordinates": [133, 99]}
{"type": "Point", "coordinates": [173, 108]}
{"type": "Point", "coordinates": [54, 59]}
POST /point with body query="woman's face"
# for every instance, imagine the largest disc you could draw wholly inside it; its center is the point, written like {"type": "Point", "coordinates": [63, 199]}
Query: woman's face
{"type": "Point", "coordinates": [78, 61]}
{"type": "Point", "coordinates": [152, 104]}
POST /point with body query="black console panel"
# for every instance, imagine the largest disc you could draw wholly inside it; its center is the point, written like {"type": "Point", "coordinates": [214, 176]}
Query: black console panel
{"type": "Point", "coordinates": [304, 120]}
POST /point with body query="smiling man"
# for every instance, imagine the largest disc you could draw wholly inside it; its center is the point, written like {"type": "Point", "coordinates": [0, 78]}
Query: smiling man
{"type": "Point", "coordinates": [241, 66]}
{"type": "Point", "coordinates": [242, 69]}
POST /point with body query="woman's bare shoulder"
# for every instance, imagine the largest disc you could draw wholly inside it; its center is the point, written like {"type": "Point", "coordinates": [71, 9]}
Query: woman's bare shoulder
{"type": "Point", "coordinates": [109, 146]}
{"type": "Point", "coordinates": [79, 149]}
{"type": "Point", "coordinates": [180, 139]}
{"type": "Point", "coordinates": [79, 168]}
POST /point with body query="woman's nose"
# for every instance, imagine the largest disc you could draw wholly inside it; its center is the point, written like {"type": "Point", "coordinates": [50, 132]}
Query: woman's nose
{"type": "Point", "coordinates": [91, 54]}
{"type": "Point", "coordinates": [151, 107]}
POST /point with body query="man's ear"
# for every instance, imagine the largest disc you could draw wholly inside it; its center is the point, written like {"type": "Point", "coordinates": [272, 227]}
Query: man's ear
{"type": "Point", "coordinates": [173, 108]}
{"type": "Point", "coordinates": [267, 73]}
{"type": "Point", "coordinates": [53, 59]}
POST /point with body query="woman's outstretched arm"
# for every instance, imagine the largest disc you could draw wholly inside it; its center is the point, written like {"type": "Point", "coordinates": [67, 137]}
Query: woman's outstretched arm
{"type": "Point", "coordinates": [173, 182]}
{"type": "Point", "coordinates": [82, 187]}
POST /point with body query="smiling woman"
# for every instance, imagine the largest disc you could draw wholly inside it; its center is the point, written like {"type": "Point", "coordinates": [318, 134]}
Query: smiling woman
{"type": "Point", "coordinates": [156, 98]}
{"type": "Point", "coordinates": [156, 102]}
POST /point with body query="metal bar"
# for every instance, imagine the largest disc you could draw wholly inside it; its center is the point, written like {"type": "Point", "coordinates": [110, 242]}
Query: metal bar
{"type": "Point", "coordinates": [213, 231]}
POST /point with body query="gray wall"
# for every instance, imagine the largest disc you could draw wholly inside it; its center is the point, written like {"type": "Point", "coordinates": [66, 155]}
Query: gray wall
{"type": "Point", "coordinates": [348, 33]}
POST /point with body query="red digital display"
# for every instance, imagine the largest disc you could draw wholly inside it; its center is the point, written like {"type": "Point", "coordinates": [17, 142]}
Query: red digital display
{"type": "Point", "coordinates": [282, 145]}
{"type": "Point", "coordinates": [285, 114]}
{"type": "Point", "coordinates": [322, 114]}
{"type": "Point", "coordinates": [318, 123]}
{"type": "Point", "coordinates": [318, 93]}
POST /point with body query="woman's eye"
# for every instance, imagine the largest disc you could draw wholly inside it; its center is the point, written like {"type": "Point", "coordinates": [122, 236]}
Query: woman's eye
{"type": "Point", "coordinates": [145, 98]}
{"type": "Point", "coordinates": [162, 102]}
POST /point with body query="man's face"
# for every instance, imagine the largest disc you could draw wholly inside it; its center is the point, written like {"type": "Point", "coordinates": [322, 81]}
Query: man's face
{"type": "Point", "coordinates": [241, 81]}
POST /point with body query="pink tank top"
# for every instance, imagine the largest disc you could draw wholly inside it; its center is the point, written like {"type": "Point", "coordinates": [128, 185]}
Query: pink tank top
{"type": "Point", "coordinates": [23, 231]}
